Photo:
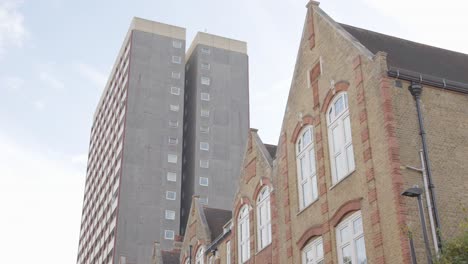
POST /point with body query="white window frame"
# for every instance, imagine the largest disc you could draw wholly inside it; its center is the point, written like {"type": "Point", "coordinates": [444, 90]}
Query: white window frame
{"type": "Point", "coordinates": [205, 129]}
{"type": "Point", "coordinates": [203, 200]}
{"type": "Point", "coordinates": [177, 59]}
{"type": "Point", "coordinates": [175, 75]}
{"type": "Point", "coordinates": [174, 108]}
{"type": "Point", "coordinates": [173, 141]}
{"type": "Point", "coordinates": [169, 214]}
{"type": "Point", "coordinates": [313, 253]}
{"type": "Point", "coordinates": [205, 66]}
{"type": "Point", "coordinates": [228, 252]}
{"type": "Point", "coordinates": [243, 234]}
{"type": "Point", "coordinates": [204, 164]}
{"type": "Point", "coordinates": [172, 158]}
{"type": "Point", "coordinates": [205, 80]}
{"type": "Point", "coordinates": [206, 50]}
{"type": "Point", "coordinates": [171, 176]}
{"type": "Point", "coordinates": [177, 44]}
{"type": "Point", "coordinates": [199, 256]}
{"type": "Point", "coordinates": [204, 181]}
{"type": "Point", "coordinates": [175, 90]}
{"type": "Point", "coordinates": [171, 195]}
{"type": "Point", "coordinates": [205, 113]}
{"type": "Point", "coordinates": [341, 124]}
{"type": "Point", "coordinates": [205, 96]}
{"type": "Point", "coordinates": [173, 124]}
{"type": "Point", "coordinates": [263, 218]}
{"type": "Point", "coordinates": [306, 168]}
{"type": "Point", "coordinates": [169, 234]}
{"type": "Point", "coordinates": [204, 146]}
{"type": "Point", "coordinates": [353, 237]}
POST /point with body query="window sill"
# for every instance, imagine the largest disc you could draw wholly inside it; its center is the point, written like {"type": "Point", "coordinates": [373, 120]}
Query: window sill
{"type": "Point", "coordinates": [305, 208]}
{"type": "Point", "coordinates": [341, 180]}
{"type": "Point", "coordinates": [264, 248]}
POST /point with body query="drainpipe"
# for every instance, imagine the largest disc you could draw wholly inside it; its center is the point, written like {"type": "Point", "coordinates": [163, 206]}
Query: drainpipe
{"type": "Point", "coordinates": [190, 254]}
{"type": "Point", "coordinates": [416, 90]}
{"type": "Point", "coordinates": [428, 201]}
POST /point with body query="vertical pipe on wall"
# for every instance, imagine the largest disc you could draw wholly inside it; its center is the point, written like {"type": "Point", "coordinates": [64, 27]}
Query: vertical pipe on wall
{"type": "Point", "coordinates": [416, 90]}
{"type": "Point", "coordinates": [428, 200]}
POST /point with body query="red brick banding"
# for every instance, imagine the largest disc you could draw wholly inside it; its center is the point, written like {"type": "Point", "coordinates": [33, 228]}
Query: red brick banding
{"type": "Point", "coordinates": [310, 28]}
{"type": "Point", "coordinates": [340, 86]}
{"type": "Point", "coordinates": [250, 170]}
{"type": "Point", "coordinates": [346, 208]}
{"type": "Point", "coordinates": [307, 120]}
{"type": "Point", "coordinates": [264, 181]}
{"type": "Point", "coordinates": [394, 160]}
{"type": "Point", "coordinates": [308, 235]}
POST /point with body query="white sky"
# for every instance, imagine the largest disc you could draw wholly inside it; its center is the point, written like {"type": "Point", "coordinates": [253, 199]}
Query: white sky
{"type": "Point", "coordinates": [55, 56]}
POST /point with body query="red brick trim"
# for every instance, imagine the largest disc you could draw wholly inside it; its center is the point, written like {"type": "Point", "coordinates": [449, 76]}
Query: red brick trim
{"type": "Point", "coordinates": [307, 120]}
{"type": "Point", "coordinates": [241, 202]}
{"type": "Point", "coordinates": [250, 170]}
{"type": "Point", "coordinates": [264, 181]}
{"type": "Point", "coordinates": [348, 207]}
{"type": "Point", "coordinates": [394, 162]}
{"type": "Point", "coordinates": [340, 86]}
{"type": "Point", "coordinates": [308, 235]}
{"type": "Point", "coordinates": [310, 28]}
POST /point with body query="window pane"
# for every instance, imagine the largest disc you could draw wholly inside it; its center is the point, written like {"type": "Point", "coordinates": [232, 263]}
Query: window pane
{"type": "Point", "coordinates": [340, 166]}
{"type": "Point", "coordinates": [306, 138]}
{"type": "Point", "coordinates": [303, 167]}
{"type": "Point", "coordinates": [350, 157]}
{"type": "Point", "coordinates": [357, 226]}
{"type": "Point", "coordinates": [344, 234]}
{"type": "Point", "coordinates": [312, 168]}
{"type": "Point", "coordinates": [347, 129]}
{"type": "Point", "coordinates": [346, 254]}
{"type": "Point", "coordinates": [339, 106]}
{"type": "Point", "coordinates": [307, 193]}
{"type": "Point", "coordinates": [171, 176]}
{"type": "Point", "coordinates": [319, 251]}
{"type": "Point", "coordinates": [314, 187]}
{"type": "Point", "coordinates": [361, 251]}
{"type": "Point", "coordinates": [336, 134]}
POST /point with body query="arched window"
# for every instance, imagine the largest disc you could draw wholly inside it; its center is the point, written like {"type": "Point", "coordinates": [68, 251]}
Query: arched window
{"type": "Point", "coordinates": [199, 256]}
{"type": "Point", "coordinates": [243, 234]}
{"type": "Point", "coordinates": [263, 218]}
{"type": "Point", "coordinates": [350, 240]}
{"type": "Point", "coordinates": [313, 252]}
{"type": "Point", "coordinates": [307, 172]}
{"type": "Point", "coordinates": [339, 138]}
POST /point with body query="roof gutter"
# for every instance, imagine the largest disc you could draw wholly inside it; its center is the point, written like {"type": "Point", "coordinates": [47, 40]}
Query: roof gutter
{"type": "Point", "coordinates": [216, 242]}
{"type": "Point", "coordinates": [428, 80]}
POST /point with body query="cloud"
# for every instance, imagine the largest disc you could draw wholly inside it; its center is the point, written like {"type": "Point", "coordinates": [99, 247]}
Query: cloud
{"type": "Point", "coordinates": [97, 77]}
{"type": "Point", "coordinates": [48, 189]}
{"type": "Point", "coordinates": [12, 29]}
{"type": "Point", "coordinates": [40, 105]}
{"type": "Point", "coordinates": [12, 83]}
{"type": "Point", "coordinates": [51, 80]}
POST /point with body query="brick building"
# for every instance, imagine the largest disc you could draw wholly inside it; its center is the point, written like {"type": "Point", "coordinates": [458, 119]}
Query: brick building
{"type": "Point", "coordinates": [360, 105]}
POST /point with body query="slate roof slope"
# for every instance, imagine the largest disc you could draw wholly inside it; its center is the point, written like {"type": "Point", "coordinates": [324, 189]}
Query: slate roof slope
{"type": "Point", "coordinates": [413, 56]}
{"type": "Point", "coordinates": [271, 149]}
{"type": "Point", "coordinates": [170, 257]}
{"type": "Point", "coordinates": [216, 219]}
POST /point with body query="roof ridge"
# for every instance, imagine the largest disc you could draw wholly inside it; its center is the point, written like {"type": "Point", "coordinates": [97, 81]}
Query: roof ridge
{"type": "Point", "coordinates": [403, 39]}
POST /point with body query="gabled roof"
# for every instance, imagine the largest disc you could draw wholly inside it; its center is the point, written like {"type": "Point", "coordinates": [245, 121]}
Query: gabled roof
{"type": "Point", "coordinates": [413, 56]}
{"type": "Point", "coordinates": [271, 149]}
{"type": "Point", "coordinates": [216, 219]}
